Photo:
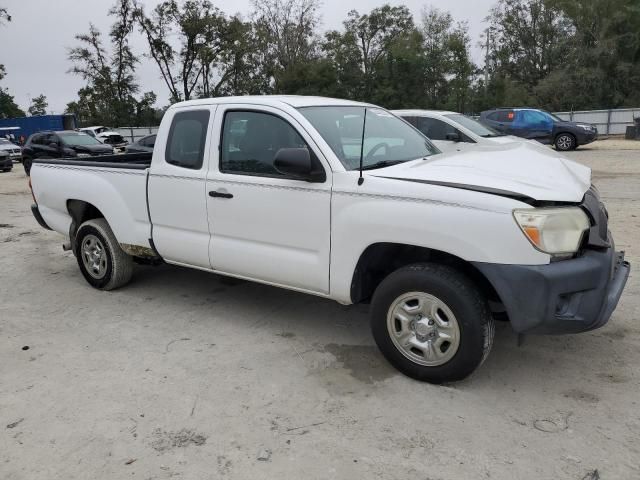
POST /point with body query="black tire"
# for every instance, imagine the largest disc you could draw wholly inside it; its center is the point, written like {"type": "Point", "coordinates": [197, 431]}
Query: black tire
{"type": "Point", "coordinates": [461, 297]}
{"type": "Point", "coordinates": [6, 170]}
{"type": "Point", "coordinates": [118, 266]}
{"type": "Point", "coordinates": [565, 142]}
{"type": "Point", "coordinates": [26, 163]}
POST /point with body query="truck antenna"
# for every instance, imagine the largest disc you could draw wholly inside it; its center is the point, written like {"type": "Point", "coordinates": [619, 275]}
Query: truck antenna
{"type": "Point", "coordinates": [364, 125]}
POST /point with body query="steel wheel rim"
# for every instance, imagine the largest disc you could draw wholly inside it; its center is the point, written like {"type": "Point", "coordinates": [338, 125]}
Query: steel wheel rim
{"type": "Point", "coordinates": [423, 328]}
{"type": "Point", "coordinates": [94, 256]}
{"type": "Point", "coordinates": [565, 142]}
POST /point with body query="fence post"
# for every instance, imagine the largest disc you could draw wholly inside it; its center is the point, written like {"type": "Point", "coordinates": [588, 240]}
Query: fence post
{"type": "Point", "coordinates": [131, 131]}
{"type": "Point", "coordinates": [608, 121]}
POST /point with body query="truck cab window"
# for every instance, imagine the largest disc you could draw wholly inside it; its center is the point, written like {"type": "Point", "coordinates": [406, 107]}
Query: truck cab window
{"type": "Point", "coordinates": [187, 135]}
{"type": "Point", "coordinates": [250, 141]}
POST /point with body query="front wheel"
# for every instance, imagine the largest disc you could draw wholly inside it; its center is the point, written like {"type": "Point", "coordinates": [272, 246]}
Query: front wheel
{"type": "Point", "coordinates": [432, 323]}
{"type": "Point", "coordinates": [101, 260]}
{"type": "Point", "coordinates": [565, 142]}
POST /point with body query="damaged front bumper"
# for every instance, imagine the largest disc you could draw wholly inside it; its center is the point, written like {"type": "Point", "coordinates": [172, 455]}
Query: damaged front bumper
{"type": "Point", "coordinates": [568, 296]}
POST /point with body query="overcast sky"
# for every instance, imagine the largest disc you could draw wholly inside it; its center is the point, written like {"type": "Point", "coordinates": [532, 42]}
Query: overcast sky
{"type": "Point", "coordinates": [33, 47]}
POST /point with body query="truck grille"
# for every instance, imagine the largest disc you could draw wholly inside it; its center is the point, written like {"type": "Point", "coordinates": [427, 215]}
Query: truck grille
{"type": "Point", "coordinates": [599, 232]}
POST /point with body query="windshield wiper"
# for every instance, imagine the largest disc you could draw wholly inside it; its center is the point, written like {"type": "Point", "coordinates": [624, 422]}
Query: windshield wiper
{"type": "Point", "coordinates": [382, 164]}
{"type": "Point", "coordinates": [493, 135]}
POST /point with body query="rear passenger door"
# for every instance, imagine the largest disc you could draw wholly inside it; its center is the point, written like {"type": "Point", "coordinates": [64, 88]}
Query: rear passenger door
{"type": "Point", "coordinates": [177, 187]}
{"type": "Point", "coordinates": [501, 121]}
{"type": "Point", "coordinates": [264, 225]}
{"type": "Point", "coordinates": [533, 125]}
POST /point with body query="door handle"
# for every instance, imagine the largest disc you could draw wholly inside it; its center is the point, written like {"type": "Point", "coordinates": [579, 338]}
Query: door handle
{"type": "Point", "coordinates": [220, 194]}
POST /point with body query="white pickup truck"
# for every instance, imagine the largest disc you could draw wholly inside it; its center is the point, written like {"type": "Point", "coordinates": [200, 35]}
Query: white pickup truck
{"type": "Point", "coordinates": [346, 201]}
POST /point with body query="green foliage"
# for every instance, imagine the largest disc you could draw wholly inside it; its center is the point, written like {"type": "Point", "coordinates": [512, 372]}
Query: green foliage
{"type": "Point", "coordinates": [110, 96]}
{"type": "Point", "coordinates": [565, 54]}
{"type": "Point", "coordinates": [38, 106]}
{"type": "Point", "coordinates": [555, 54]}
{"type": "Point", "coordinates": [8, 107]}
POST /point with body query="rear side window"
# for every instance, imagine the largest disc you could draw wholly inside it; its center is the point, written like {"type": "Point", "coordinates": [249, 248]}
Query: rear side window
{"type": "Point", "coordinates": [187, 136]}
{"type": "Point", "coordinates": [411, 120]}
{"type": "Point", "coordinates": [503, 116]}
{"type": "Point", "coordinates": [435, 129]}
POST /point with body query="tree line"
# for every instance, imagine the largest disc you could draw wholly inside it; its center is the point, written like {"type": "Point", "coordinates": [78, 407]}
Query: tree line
{"type": "Point", "coordinates": [553, 54]}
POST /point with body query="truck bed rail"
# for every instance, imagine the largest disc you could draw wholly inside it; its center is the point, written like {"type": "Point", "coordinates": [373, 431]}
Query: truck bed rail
{"type": "Point", "coordinates": [133, 161]}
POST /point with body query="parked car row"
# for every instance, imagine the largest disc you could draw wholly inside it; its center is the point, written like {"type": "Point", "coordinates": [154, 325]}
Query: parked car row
{"type": "Point", "coordinates": [449, 131]}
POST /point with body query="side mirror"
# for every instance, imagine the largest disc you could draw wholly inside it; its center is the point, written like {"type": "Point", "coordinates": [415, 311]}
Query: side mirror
{"type": "Point", "coordinates": [54, 145]}
{"type": "Point", "coordinates": [453, 137]}
{"type": "Point", "coordinates": [296, 163]}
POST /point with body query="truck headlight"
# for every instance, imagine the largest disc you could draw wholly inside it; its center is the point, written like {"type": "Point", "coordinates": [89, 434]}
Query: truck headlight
{"type": "Point", "coordinates": [555, 231]}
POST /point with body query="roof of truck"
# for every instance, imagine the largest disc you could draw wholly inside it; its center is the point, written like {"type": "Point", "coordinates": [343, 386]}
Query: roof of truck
{"type": "Point", "coordinates": [275, 100]}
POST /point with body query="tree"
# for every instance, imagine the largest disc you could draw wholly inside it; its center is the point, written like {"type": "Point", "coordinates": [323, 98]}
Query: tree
{"type": "Point", "coordinates": [110, 94]}
{"type": "Point", "coordinates": [461, 68]}
{"type": "Point", "coordinates": [198, 25]}
{"type": "Point", "coordinates": [8, 107]}
{"type": "Point", "coordinates": [4, 15]}
{"type": "Point", "coordinates": [374, 34]}
{"type": "Point", "coordinates": [38, 106]}
{"type": "Point", "coordinates": [286, 36]}
{"type": "Point", "coordinates": [603, 69]}
{"type": "Point", "coordinates": [234, 66]}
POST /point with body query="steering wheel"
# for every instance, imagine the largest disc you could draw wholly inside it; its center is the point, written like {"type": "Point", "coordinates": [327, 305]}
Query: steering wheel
{"type": "Point", "coordinates": [375, 148]}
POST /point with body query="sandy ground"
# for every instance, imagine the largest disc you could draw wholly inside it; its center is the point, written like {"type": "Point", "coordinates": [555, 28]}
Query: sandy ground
{"type": "Point", "coordinates": [183, 374]}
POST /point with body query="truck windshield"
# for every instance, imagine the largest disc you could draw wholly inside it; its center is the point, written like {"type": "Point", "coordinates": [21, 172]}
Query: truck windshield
{"type": "Point", "coordinates": [473, 125]}
{"type": "Point", "coordinates": [387, 139]}
{"type": "Point", "coordinates": [72, 139]}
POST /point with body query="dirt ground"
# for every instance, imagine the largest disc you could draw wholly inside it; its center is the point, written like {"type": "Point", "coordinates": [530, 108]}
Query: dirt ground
{"type": "Point", "coordinates": [184, 374]}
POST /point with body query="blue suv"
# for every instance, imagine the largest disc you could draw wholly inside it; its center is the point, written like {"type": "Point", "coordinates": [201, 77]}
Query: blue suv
{"type": "Point", "coordinates": [540, 125]}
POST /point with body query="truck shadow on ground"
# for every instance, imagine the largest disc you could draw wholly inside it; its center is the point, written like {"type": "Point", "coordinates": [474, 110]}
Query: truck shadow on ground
{"type": "Point", "coordinates": [318, 324]}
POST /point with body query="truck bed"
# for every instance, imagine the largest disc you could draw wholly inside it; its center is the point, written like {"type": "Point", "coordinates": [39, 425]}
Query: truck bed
{"type": "Point", "coordinates": [136, 161]}
{"type": "Point", "coordinates": [116, 185]}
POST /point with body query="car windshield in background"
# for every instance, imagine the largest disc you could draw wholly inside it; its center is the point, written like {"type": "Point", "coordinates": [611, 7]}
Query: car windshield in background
{"type": "Point", "coordinates": [473, 125]}
{"type": "Point", "coordinates": [387, 139]}
{"type": "Point", "coordinates": [74, 139]}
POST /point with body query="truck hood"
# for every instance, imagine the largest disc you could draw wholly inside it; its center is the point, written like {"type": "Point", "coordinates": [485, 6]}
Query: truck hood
{"type": "Point", "coordinates": [516, 169]}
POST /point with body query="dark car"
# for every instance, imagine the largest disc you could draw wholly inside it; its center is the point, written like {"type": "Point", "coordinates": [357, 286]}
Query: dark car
{"type": "Point", "coordinates": [540, 125]}
{"type": "Point", "coordinates": [62, 144]}
{"type": "Point", "coordinates": [144, 144]}
{"type": "Point", "coordinates": [6, 163]}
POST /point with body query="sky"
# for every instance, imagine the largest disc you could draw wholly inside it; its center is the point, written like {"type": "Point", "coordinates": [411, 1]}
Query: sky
{"type": "Point", "coordinates": [34, 45]}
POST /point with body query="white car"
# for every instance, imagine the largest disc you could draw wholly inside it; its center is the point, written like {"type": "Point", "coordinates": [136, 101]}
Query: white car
{"type": "Point", "coordinates": [13, 151]}
{"type": "Point", "coordinates": [96, 130]}
{"type": "Point", "coordinates": [346, 201]}
{"type": "Point", "coordinates": [451, 131]}
{"type": "Point", "coordinates": [114, 139]}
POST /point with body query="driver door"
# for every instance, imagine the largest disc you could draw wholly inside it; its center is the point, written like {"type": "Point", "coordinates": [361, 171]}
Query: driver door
{"type": "Point", "coordinates": [265, 226]}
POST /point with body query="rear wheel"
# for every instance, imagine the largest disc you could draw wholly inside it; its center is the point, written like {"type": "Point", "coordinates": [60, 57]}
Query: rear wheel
{"type": "Point", "coordinates": [432, 323]}
{"type": "Point", "coordinates": [101, 260]}
{"type": "Point", "coordinates": [565, 142]}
